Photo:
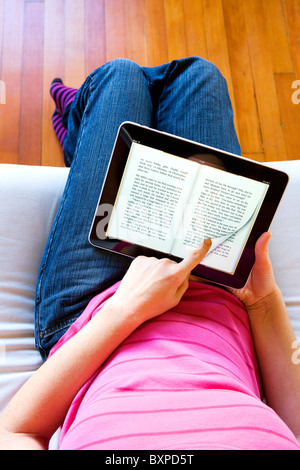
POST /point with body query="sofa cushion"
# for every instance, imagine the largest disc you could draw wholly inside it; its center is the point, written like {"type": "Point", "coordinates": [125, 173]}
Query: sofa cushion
{"type": "Point", "coordinates": [29, 198]}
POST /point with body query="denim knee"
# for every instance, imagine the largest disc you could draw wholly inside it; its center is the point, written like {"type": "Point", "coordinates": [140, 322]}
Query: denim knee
{"type": "Point", "coordinates": [209, 71]}
{"type": "Point", "coordinates": [122, 64]}
{"type": "Point", "coordinates": [117, 68]}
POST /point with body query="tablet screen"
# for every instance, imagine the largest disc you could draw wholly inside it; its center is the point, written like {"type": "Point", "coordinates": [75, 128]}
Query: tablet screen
{"type": "Point", "coordinates": [163, 195]}
{"type": "Point", "coordinates": [171, 204]}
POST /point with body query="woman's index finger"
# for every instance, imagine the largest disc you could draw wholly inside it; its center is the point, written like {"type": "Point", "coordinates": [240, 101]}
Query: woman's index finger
{"type": "Point", "coordinates": [195, 256]}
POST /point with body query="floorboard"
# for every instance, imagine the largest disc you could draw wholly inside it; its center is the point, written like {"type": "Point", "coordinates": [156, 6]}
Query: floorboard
{"type": "Point", "coordinates": [255, 44]}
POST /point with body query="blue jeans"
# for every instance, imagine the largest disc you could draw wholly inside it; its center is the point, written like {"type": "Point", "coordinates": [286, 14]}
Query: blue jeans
{"type": "Point", "coordinates": [187, 97]}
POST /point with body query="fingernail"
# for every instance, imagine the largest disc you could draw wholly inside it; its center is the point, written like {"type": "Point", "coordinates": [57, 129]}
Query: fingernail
{"type": "Point", "coordinates": [207, 242]}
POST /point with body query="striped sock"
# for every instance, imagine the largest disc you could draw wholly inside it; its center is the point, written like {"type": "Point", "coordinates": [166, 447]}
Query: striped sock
{"type": "Point", "coordinates": [58, 127]}
{"type": "Point", "coordinates": [62, 95]}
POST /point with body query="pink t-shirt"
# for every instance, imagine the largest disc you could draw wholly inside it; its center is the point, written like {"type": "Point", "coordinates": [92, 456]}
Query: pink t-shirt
{"type": "Point", "coordinates": [187, 379]}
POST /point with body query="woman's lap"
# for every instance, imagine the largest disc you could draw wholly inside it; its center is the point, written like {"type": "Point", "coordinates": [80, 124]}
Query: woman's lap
{"type": "Point", "coordinates": [187, 97]}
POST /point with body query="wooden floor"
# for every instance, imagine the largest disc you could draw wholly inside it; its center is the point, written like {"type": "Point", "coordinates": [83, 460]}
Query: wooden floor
{"type": "Point", "coordinates": [255, 43]}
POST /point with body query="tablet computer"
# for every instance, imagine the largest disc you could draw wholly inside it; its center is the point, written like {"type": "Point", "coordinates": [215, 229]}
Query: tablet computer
{"type": "Point", "coordinates": [163, 195]}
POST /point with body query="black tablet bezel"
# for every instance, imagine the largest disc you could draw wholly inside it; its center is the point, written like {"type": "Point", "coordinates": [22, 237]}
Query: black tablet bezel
{"type": "Point", "coordinates": [131, 132]}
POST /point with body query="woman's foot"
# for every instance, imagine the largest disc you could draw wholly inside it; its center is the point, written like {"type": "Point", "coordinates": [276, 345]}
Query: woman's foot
{"type": "Point", "coordinates": [62, 95]}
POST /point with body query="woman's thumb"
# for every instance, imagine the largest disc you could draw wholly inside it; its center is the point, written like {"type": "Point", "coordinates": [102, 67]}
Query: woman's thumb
{"type": "Point", "coordinates": [261, 249]}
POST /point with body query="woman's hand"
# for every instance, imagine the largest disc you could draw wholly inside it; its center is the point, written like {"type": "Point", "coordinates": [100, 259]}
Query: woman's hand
{"type": "Point", "coordinates": [152, 286]}
{"type": "Point", "coordinates": [261, 286]}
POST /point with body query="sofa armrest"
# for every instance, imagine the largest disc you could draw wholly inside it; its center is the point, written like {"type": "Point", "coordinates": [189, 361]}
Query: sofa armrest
{"type": "Point", "coordinates": [29, 198]}
{"type": "Point", "coordinates": [285, 242]}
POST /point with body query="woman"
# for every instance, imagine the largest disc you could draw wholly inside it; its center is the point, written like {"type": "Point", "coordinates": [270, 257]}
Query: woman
{"type": "Point", "coordinates": [154, 360]}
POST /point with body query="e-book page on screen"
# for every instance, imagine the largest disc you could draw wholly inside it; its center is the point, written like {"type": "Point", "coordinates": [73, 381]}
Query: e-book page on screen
{"type": "Point", "coordinates": [171, 204]}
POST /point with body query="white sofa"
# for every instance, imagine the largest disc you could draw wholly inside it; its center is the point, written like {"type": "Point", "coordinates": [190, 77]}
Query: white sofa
{"type": "Point", "coordinates": [29, 197]}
